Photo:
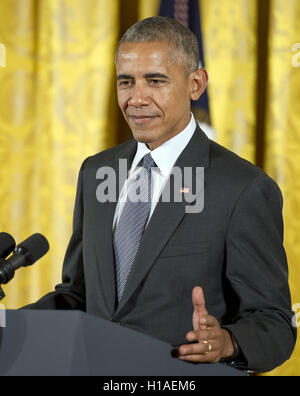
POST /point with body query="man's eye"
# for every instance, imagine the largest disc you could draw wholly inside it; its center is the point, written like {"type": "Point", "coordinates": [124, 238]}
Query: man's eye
{"type": "Point", "coordinates": [125, 83]}
{"type": "Point", "coordinates": [156, 82]}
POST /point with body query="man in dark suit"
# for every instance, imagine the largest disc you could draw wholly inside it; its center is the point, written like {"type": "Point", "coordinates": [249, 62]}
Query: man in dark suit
{"type": "Point", "coordinates": [149, 269]}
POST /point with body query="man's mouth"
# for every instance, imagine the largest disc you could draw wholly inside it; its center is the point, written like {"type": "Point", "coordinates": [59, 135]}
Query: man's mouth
{"type": "Point", "coordinates": [141, 119]}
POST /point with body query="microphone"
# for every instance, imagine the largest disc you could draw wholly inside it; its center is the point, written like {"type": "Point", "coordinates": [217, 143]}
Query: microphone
{"type": "Point", "coordinates": [25, 254]}
{"type": "Point", "coordinates": [7, 244]}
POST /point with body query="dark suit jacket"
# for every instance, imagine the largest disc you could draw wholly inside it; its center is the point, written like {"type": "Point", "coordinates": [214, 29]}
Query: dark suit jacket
{"type": "Point", "coordinates": [233, 249]}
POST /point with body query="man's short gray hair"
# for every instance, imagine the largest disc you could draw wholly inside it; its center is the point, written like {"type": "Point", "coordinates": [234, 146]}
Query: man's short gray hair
{"type": "Point", "coordinates": [163, 29]}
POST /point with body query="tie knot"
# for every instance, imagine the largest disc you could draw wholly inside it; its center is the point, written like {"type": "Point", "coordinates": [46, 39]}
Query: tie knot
{"type": "Point", "coordinates": [148, 162]}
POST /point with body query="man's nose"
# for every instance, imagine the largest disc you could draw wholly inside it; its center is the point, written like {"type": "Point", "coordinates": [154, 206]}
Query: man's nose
{"type": "Point", "coordinates": [139, 96]}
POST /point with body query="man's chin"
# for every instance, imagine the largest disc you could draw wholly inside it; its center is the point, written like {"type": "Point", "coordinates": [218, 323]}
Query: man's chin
{"type": "Point", "coordinates": [142, 137]}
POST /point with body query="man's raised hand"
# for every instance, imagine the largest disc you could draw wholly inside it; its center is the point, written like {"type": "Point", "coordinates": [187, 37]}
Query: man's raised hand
{"type": "Point", "coordinates": [211, 343]}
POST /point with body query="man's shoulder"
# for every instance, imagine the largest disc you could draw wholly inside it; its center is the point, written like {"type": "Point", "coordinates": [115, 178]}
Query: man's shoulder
{"type": "Point", "coordinates": [105, 157]}
{"type": "Point", "coordinates": [224, 163]}
{"type": "Point", "coordinates": [233, 169]}
{"type": "Point", "coordinates": [227, 160]}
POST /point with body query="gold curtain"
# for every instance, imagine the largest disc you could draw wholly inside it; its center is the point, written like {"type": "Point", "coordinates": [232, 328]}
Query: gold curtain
{"type": "Point", "coordinates": [282, 146]}
{"type": "Point", "coordinates": [58, 106]}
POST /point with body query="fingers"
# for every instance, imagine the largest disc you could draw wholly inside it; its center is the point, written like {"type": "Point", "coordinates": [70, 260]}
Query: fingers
{"type": "Point", "coordinates": [202, 347]}
{"type": "Point", "coordinates": [209, 321]}
{"type": "Point", "coordinates": [200, 335]}
{"type": "Point", "coordinates": [201, 358]}
{"type": "Point", "coordinates": [198, 300]}
{"type": "Point", "coordinates": [204, 351]}
{"type": "Point", "coordinates": [207, 342]}
{"type": "Point", "coordinates": [199, 307]}
{"type": "Point", "coordinates": [207, 334]}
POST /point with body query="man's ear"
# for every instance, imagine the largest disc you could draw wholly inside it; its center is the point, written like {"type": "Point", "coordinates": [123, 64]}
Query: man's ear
{"type": "Point", "coordinates": [199, 80]}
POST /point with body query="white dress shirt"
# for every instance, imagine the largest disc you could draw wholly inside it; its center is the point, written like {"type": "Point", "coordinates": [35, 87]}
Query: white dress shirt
{"type": "Point", "coordinates": [165, 157]}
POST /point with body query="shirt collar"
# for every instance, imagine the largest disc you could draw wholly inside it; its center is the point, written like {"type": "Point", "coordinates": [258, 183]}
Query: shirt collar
{"type": "Point", "coordinates": [167, 154]}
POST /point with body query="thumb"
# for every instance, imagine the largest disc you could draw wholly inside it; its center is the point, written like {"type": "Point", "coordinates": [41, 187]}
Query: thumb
{"type": "Point", "coordinates": [199, 307]}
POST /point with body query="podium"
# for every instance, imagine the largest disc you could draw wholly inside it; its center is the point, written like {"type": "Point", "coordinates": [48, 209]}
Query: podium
{"type": "Point", "coordinates": [69, 343]}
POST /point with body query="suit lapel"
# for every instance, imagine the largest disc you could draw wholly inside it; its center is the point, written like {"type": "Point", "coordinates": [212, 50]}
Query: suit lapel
{"type": "Point", "coordinates": [104, 217]}
{"type": "Point", "coordinates": [165, 219]}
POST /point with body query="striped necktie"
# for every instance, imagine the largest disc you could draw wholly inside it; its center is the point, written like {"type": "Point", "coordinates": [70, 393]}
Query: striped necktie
{"type": "Point", "coordinates": [132, 222]}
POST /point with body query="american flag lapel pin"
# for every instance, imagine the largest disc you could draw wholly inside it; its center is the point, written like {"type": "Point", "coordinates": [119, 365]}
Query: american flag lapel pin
{"type": "Point", "coordinates": [185, 190]}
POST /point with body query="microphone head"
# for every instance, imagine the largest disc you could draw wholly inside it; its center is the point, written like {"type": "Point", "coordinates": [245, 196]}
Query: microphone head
{"type": "Point", "coordinates": [34, 247]}
{"type": "Point", "coordinates": [7, 244]}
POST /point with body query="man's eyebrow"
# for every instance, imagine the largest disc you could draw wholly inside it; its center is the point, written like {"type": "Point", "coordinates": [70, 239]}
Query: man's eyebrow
{"type": "Point", "coordinates": [156, 75]}
{"type": "Point", "coordinates": [124, 77]}
{"type": "Point", "coordinates": [147, 75]}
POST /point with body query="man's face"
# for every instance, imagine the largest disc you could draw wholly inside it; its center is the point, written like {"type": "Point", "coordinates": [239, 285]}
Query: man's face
{"type": "Point", "coordinates": [154, 92]}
